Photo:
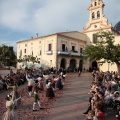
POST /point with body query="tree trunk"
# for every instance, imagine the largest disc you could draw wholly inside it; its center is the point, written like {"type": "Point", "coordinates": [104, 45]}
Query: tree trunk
{"type": "Point", "coordinates": [118, 67]}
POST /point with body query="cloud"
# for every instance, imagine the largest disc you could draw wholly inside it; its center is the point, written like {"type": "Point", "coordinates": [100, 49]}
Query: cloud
{"type": "Point", "coordinates": [49, 16]}
{"type": "Point", "coordinates": [35, 15]}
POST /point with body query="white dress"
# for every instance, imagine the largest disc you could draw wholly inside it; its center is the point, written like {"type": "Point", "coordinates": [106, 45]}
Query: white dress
{"type": "Point", "coordinates": [9, 114]}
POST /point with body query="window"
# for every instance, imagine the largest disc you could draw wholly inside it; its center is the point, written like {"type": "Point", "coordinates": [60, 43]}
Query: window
{"type": "Point", "coordinates": [63, 47]}
{"type": "Point", "coordinates": [32, 52]}
{"type": "Point", "coordinates": [93, 15]}
{"type": "Point", "coordinates": [94, 38]}
{"type": "Point", "coordinates": [73, 48]}
{"type": "Point", "coordinates": [24, 50]}
{"type": "Point", "coordinates": [31, 43]}
{"type": "Point", "coordinates": [40, 52]}
{"type": "Point", "coordinates": [81, 50]}
{"type": "Point", "coordinates": [25, 45]}
{"type": "Point", "coordinates": [98, 14]}
{"type": "Point", "coordinates": [49, 47]}
{"type": "Point", "coordinates": [95, 3]}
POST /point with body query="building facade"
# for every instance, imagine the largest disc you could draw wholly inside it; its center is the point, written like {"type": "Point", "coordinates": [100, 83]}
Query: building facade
{"type": "Point", "coordinates": [61, 50]}
{"type": "Point", "coordinates": [65, 49]}
{"type": "Point", "coordinates": [98, 22]}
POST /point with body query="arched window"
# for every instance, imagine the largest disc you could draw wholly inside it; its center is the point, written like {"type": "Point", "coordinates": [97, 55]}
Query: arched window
{"type": "Point", "coordinates": [93, 15]}
{"type": "Point", "coordinates": [98, 14]}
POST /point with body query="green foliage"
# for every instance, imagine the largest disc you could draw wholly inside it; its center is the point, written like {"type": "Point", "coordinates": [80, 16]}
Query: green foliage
{"type": "Point", "coordinates": [7, 55]}
{"type": "Point", "coordinates": [104, 48]}
{"type": "Point", "coordinates": [29, 58]}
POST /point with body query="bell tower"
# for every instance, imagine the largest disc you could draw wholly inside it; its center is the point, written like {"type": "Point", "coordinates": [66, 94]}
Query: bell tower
{"type": "Point", "coordinates": [97, 19]}
{"type": "Point", "coordinates": [96, 10]}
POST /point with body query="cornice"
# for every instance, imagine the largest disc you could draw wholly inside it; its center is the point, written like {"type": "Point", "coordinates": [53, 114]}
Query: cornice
{"type": "Point", "coordinates": [97, 29]}
{"type": "Point", "coordinates": [60, 35]}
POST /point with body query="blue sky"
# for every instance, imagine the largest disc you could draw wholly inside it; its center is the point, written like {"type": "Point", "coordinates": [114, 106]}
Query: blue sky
{"type": "Point", "coordinates": [22, 19]}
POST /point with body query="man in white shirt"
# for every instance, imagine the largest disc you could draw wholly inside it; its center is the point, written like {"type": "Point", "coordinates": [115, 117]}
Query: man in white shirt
{"type": "Point", "coordinates": [31, 83]}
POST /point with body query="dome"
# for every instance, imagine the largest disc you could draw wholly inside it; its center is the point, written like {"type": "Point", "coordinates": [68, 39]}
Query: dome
{"type": "Point", "coordinates": [117, 26]}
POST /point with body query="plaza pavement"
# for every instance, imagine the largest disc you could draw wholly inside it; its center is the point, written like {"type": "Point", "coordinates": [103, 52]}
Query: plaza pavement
{"type": "Point", "coordinates": [72, 102]}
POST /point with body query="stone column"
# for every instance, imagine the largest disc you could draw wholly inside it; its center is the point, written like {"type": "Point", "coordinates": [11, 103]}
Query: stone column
{"type": "Point", "coordinates": [77, 63]}
{"type": "Point", "coordinates": [67, 62]}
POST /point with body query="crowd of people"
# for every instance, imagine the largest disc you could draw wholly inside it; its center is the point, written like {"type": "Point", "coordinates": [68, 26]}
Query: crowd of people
{"type": "Point", "coordinates": [104, 95]}
{"type": "Point", "coordinates": [37, 81]}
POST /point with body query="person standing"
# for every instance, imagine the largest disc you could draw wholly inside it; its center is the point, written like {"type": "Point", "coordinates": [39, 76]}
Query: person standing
{"type": "Point", "coordinates": [10, 114]}
{"type": "Point", "coordinates": [36, 97]}
{"type": "Point", "coordinates": [11, 72]}
{"type": "Point", "coordinates": [59, 84]}
{"type": "Point", "coordinates": [79, 72]}
{"type": "Point", "coordinates": [31, 83]}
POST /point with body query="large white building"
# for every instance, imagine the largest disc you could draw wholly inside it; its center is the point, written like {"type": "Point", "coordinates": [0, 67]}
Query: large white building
{"type": "Point", "coordinates": [55, 50]}
{"type": "Point", "coordinates": [65, 49]}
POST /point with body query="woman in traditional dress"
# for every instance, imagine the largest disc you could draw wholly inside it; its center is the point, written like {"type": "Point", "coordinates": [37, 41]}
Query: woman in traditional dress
{"type": "Point", "coordinates": [16, 96]}
{"type": "Point", "coordinates": [49, 91]}
{"type": "Point", "coordinates": [59, 84]}
{"type": "Point", "coordinates": [10, 114]}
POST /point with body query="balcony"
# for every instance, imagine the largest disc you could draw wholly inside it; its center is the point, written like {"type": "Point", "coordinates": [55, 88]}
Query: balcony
{"type": "Point", "coordinates": [75, 54]}
{"type": "Point", "coordinates": [49, 52]}
{"type": "Point", "coordinates": [63, 53]}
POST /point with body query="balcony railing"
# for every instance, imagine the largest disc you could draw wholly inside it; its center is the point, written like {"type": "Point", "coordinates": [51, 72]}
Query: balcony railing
{"type": "Point", "coordinates": [49, 52]}
{"type": "Point", "coordinates": [63, 52]}
{"type": "Point", "coordinates": [69, 53]}
{"type": "Point", "coordinates": [75, 54]}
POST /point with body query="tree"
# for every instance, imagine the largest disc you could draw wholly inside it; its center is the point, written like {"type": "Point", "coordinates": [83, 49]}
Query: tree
{"type": "Point", "coordinates": [7, 55]}
{"type": "Point", "coordinates": [104, 48]}
{"type": "Point", "coordinates": [29, 58]}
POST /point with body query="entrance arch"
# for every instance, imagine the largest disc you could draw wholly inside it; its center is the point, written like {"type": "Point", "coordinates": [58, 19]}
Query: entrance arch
{"type": "Point", "coordinates": [94, 65]}
{"type": "Point", "coordinates": [63, 63]}
{"type": "Point", "coordinates": [81, 65]}
{"type": "Point", "coordinates": [72, 64]}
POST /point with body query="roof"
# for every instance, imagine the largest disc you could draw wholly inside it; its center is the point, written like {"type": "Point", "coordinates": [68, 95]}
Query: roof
{"type": "Point", "coordinates": [117, 26]}
{"type": "Point", "coordinates": [59, 33]}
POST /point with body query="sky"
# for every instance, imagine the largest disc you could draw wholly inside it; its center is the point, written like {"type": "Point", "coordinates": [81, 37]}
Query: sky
{"type": "Point", "coordinates": [22, 19]}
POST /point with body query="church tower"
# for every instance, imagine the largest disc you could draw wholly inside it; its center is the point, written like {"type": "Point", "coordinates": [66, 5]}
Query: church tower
{"type": "Point", "coordinates": [96, 11]}
{"type": "Point", "coordinates": [97, 20]}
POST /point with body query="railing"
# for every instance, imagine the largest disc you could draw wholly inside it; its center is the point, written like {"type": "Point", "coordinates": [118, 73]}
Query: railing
{"type": "Point", "coordinates": [49, 52]}
{"type": "Point", "coordinates": [75, 54]}
{"type": "Point", "coordinates": [63, 52]}
{"type": "Point", "coordinates": [69, 53]}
